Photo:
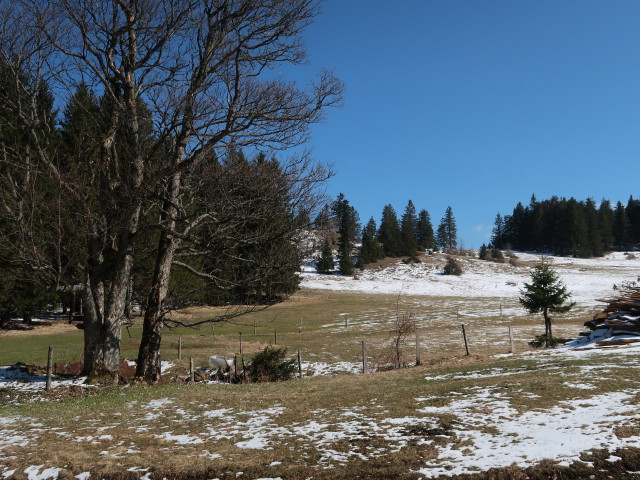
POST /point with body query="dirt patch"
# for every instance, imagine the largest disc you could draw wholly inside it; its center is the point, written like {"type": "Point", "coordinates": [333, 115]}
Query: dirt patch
{"type": "Point", "coordinates": [74, 369]}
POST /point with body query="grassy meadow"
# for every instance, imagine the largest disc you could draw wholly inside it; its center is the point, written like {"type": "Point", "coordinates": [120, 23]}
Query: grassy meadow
{"type": "Point", "coordinates": [404, 423]}
{"type": "Point", "coordinates": [325, 326]}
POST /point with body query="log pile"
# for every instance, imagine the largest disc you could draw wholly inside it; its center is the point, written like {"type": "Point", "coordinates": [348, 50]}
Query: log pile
{"type": "Point", "coordinates": [618, 323]}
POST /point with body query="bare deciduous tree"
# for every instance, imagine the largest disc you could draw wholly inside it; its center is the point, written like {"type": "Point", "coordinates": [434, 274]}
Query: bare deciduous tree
{"type": "Point", "coordinates": [180, 82]}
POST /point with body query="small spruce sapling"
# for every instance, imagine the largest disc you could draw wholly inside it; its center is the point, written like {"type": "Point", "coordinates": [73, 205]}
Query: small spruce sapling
{"type": "Point", "coordinates": [545, 294]}
{"type": "Point", "coordinates": [271, 365]}
{"type": "Point", "coordinates": [452, 267]}
{"type": "Point", "coordinates": [325, 263]}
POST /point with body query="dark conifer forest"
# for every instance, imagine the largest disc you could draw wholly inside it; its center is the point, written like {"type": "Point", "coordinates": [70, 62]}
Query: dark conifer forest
{"type": "Point", "coordinates": [569, 227]}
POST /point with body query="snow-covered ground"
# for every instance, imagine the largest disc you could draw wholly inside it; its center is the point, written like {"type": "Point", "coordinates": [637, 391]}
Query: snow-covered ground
{"type": "Point", "coordinates": [586, 279]}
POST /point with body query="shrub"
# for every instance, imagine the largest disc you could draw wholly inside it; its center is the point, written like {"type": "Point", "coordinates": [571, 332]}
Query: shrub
{"type": "Point", "coordinates": [452, 267]}
{"type": "Point", "coordinates": [514, 262]}
{"type": "Point", "coordinates": [413, 258]}
{"type": "Point", "coordinates": [403, 327]}
{"type": "Point", "coordinates": [496, 254]}
{"type": "Point", "coordinates": [271, 365]}
{"type": "Point", "coordinates": [541, 341]}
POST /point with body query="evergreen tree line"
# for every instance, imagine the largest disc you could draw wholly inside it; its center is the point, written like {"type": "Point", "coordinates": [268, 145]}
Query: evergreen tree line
{"type": "Point", "coordinates": [569, 227]}
{"type": "Point", "coordinates": [249, 254]}
{"type": "Point", "coordinates": [404, 237]}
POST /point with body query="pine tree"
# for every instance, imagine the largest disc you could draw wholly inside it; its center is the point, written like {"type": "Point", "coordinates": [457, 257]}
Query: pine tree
{"type": "Point", "coordinates": [346, 219]}
{"type": "Point", "coordinates": [325, 263]}
{"type": "Point", "coordinates": [633, 214]}
{"type": "Point", "coordinates": [545, 294]}
{"type": "Point", "coordinates": [593, 241]}
{"type": "Point", "coordinates": [447, 236]}
{"type": "Point", "coordinates": [498, 233]}
{"type": "Point", "coordinates": [409, 231]}
{"type": "Point", "coordinates": [518, 229]}
{"type": "Point", "coordinates": [425, 238]}
{"type": "Point", "coordinates": [389, 233]}
{"type": "Point", "coordinates": [33, 260]}
{"type": "Point", "coordinates": [536, 224]}
{"type": "Point", "coordinates": [621, 228]}
{"type": "Point", "coordinates": [483, 253]}
{"type": "Point", "coordinates": [370, 251]}
{"type": "Point", "coordinates": [606, 219]}
{"type": "Point", "coordinates": [323, 221]}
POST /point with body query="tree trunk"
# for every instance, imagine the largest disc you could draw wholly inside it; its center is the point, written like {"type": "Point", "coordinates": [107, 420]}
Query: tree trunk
{"type": "Point", "coordinates": [547, 327]}
{"type": "Point", "coordinates": [105, 307]}
{"type": "Point", "coordinates": [148, 367]}
{"type": "Point", "coordinates": [117, 300]}
{"type": "Point", "coordinates": [93, 338]}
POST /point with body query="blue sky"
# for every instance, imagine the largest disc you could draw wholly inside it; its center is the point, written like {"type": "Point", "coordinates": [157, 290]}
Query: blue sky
{"type": "Point", "coordinates": [479, 104]}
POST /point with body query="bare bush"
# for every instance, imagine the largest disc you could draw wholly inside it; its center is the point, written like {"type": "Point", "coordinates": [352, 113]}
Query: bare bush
{"type": "Point", "coordinates": [403, 326]}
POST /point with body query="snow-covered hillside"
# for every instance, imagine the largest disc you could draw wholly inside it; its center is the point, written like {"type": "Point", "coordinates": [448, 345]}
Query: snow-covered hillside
{"type": "Point", "coordinates": [587, 279]}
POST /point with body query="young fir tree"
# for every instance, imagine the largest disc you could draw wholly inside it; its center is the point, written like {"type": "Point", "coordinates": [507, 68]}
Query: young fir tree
{"type": "Point", "coordinates": [409, 231]}
{"type": "Point", "coordinates": [426, 239]}
{"type": "Point", "coordinates": [498, 232]}
{"type": "Point", "coordinates": [346, 219]}
{"type": "Point", "coordinates": [496, 255]}
{"type": "Point", "coordinates": [483, 253]}
{"type": "Point", "coordinates": [325, 263]}
{"type": "Point", "coordinates": [323, 221]}
{"type": "Point", "coordinates": [370, 251]}
{"type": "Point", "coordinates": [545, 294]}
{"type": "Point", "coordinates": [447, 236]}
{"type": "Point", "coordinates": [389, 233]}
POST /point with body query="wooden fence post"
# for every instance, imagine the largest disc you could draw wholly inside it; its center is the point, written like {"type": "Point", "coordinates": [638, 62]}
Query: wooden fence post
{"type": "Point", "coordinates": [192, 373]}
{"type": "Point", "coordinates": [513, 345]}
{"type": "Point", "coordinates": [299, 365]}
{"type": "Point", "coordinates": [418, 362]}
{"type": "Point", "coordinates": [235, 366]}
{"type": "Point", "coordinates": [365, 368]}
{"type": "Point", "coordinates": [49, 369]}
{"type": "Point", "coordinates": [275, 337]}
{"type": "Point", "coordinates": [240, 343]}
{"type": "Point", "coordinates": [244, 371]}
{"type": "Point", "coordinates": [464, 335]}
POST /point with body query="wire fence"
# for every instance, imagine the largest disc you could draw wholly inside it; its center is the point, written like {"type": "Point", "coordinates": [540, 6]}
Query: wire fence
{"type": "Point", "coordinates": [370, 352]}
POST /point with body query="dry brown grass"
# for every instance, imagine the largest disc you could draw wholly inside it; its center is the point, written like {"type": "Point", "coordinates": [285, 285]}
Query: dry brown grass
{"type": "Point", "coordinates": [59, 430]}
{"type": "Point", "coordinates": [314, 323]}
